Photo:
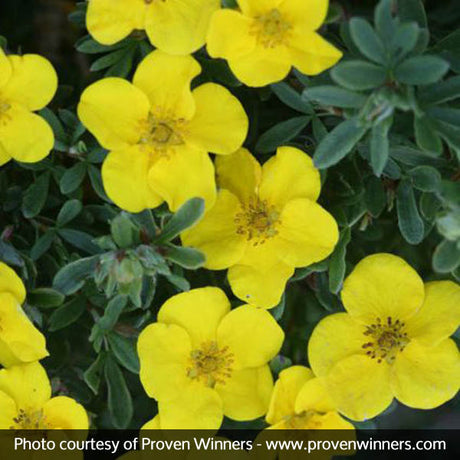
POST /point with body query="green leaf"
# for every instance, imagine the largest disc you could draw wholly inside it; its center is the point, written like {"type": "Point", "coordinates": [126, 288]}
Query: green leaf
{"type": "Point", "coordinates": [281, 133]}
{"type": "Point", "coordinates": [421, 70]}
{"type": "Point", "coordinates": [42, 245]}
{"type": "Point", "coordinates": [189, 258]}
{"type": "Point", "coordinates": [90, 46]}
{"type": "Point", "coordinates": [334, 96]}
{"type": "Point", "coordinates": [358, 75]}
{"type": "Point", "coordinates": [68, 212]}
{"type": "Point", "coordinates": [123, 230]}
{"type": "Point", "coordinates": [446, 257]}
{"type": "Point", "coordinates": [124, 350]}
{"type": "Point", "coordinates": [119, 398]}
{"type": "Point", "coordinates": [367, 41]}
{"type": "Point", "coordinates": [108, 60]}
{"type": "Point", "coordinates": [92, 375]}
{"type": "Point", "coordinates": [375, 196]}
{"type": "Point", "coordinates": [443, 91]}
{"type": "Point", "coordinates": [72, 277]}
{"type": "Point", "coordinates": [412, 10]}
{"type": "Point", "coordinates": [45, 298]}
{"type": "Point", "coordinates": [409, 221]}
{"type": "Point", "coordinates": [35, 196]}
{"type": "Point", "coordinates": [72, 178]}
{"type": "Point", "coordinates": [80, 240]}
{"type": "Point", "coordinates": [380, 145]}
{"type": "Point", "coordinates": [187, 215]}
{"type": "Point", "coordinates": [112, 312]}
{"type": "Point", "coordinates": [384, 22]}
{"type": "Point", "coordinates": [447, 115]}
{"type": "Point", "coordinates": [96, 181]}
{"type": "Point", "coordinates": [338, 143]}
{"type": "Point", "coordinates": [426, 178]}
{"type": "Point", "coordinates": [405, 39]}
{"type": "Point", "coordinates": [337, 264]}
{"type": "Point", "coordinates": [291, 98]}
{"type": "Point", "coordinates": [426, 136]}
{"type": "Point", "coordinates": [67, 314]}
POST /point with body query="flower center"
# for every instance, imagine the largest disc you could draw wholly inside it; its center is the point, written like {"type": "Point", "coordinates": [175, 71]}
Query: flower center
{"type": "Point", "coordinates": [258, 221]}
{"type": "Point", "coordinates": [271, 29]}
{"type": "Point", "coordinates": [388, 338]}
{"type": "Point", "coordinates": [30, 420]}
{"type": "Point", "coordinates": [160, 134]}
{"type": "Point", "coordinates": [210, 364]}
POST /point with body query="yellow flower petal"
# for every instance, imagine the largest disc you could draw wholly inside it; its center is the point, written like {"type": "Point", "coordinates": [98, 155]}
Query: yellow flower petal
{"type": "Point", "coordinates": [10, 282]}
{"type": "Point", "coordinates": [260, 277]}
{"type": "Point", "coordinates": [229, 35]}
{"type": "Point", "coordinates": [26, 149]}
{"type": "Point", "coordinates": [179, 27]}
{"type": "Point", "coordinates": [33, 82]}
{"type": "Point", "coordinates": [425, 377]}
{"type": "Point", "coordinates": [216, 233]}
{"type": "Point", "coordinates": [220, 124]}
{"type": "Point", "coordinates": [198, 311]}
{"type": "Point", "coordinates": [110, 21]}
{"type": "Point", "coordinates": [196, 407]}
{"type": "Point", "coordinates": [182, 174]}
{"type": "Point", "coordinates": [113, 110]}
{"type": "Point", "coordinates": [20, 341]}
{"type": "Point", "coordinates": [27, 384]}
{"type": "Point", "coordinates": [333, 421]}
{"type": "Point", "coordinates": [255, 7]}
{"type": "Point", "coordinates": [314, 396]}
{"type": "Point", "coordinates": [381, 286]}
{"type": "Point", "coordinates": [307, 233]}
{"type": "Point", "coordinates": [5, 68]}
{"type": "Point", "coordinates": [360, 387]}
{"type": "Point", "coordinates": [262, 66]}
{"type": "Point", "coordinates": [8, 411]}
{"type": "Point", "coordinates": [125, 176]}
{"type": "Point", "coordinates": [310, 53]}
{"type": "Point", "coordinates": [240, 173]}
{"type": "Point", "coordinates": [285, 392]}
{"type": "Point", "coordinates": [246, 394]}
{"type": "Point", "coordinates": [335, 338]}
{"type": "Point", "coordinates": [65, 413]}
{"type": "Point", "coordinates": [439, 316]}
{"type": "Point", "coordinates": [164, 353]}
{"type": "Point", "coordinates": [166, 81]}
{"type": "Point", "coordinates": [251, 334]}
{"type": "Point", "coordinates": [154, 424]}
{"type": "Point", "coordinates": [305, 14]}
{"type": "Point", "coordinates": [289, 175]}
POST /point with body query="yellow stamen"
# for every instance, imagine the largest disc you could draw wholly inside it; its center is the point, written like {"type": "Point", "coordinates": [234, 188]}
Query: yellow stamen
{"type": "Point", "coordinates": [306, 419]}
{"type": "Point", "coordinates": [30, 420]}
{"type": "Point", "coordinates": [258, 221]}
{"type": "Point", "coordinates": [210, 364]}
{"type": "Point", "coordinates": [158, 134]}
{"type": "Point", "coordinates": [271, 29]}
{"type": "Point", "coordinates": [4, 116]}
{"type": "Point", "coordinates": [388, 337]}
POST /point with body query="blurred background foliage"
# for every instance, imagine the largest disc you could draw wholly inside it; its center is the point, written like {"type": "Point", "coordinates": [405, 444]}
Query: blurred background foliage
{"type": "Point", "coordinates": [383, 126]}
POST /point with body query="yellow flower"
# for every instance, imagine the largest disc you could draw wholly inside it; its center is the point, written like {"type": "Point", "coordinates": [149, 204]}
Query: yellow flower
{"type": "Point", "coordinates": [20, 341]}
{"type": "Point", "coordinates": [159, 132]}
{"type": "Point", "coordinates": [27, 83]}
{"type": "Point", "coordinates": [174, 26]}
{"type": "Point", "coordinates": [265, 223]}
{"type": "Point", "coordinates": [26, 402]}
{"type": "Point", "coordinates": [263, 39]}
{"type": "Point", "coordinates": [201, 361]}
{"type": "Point", "coordinates": [300, 402]}
{"type": "Point", "coordinates": [393, 342]}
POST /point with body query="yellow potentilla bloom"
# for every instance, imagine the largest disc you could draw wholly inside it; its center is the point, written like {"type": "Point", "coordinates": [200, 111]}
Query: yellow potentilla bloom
{"type": "Point", "coordinates": [264, 38]}
{"type": "Point", "coordinates": [300, 402]}
{"type": "Point", "coordinates": [174, 26]}
{"type": "Point", "coordinates": [159, 132]}
{"type": "Point", "coordinates": [27, 83]}
{"type": "Point", "coordinates": [202, 361]}
{"type": "Point", "coordinates": [20, 341]}
{"type": "Point", "coordinates": [393, 342]}
{"type": "Point", "coordinates": [26, 402]}
{"type": "Point", "coordinates": [265, 223]}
